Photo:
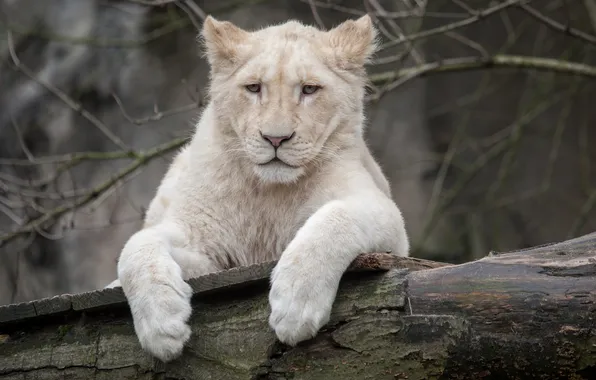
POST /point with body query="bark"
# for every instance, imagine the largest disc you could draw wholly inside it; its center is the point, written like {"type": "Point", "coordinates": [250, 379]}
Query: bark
{"type": "Point", "coordinates": [520, 315]}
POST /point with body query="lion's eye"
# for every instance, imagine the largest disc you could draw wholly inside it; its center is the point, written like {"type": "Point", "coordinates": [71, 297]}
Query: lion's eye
{"type": "Point", "coordinates": [310, 89]}
{"type": "Point", "coordinates": [256, 87]}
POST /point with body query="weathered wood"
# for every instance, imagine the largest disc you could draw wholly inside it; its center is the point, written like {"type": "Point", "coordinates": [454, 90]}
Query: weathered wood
{"type": "Point", "coordinates": [529, 314]}
{"type": "Point", "coordinates": [232, 278]}
{"type": "Point", "coordinates": [387, 261]}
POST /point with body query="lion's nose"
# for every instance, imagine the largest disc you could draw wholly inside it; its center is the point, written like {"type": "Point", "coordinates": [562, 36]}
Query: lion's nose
{"type": "Point", "coordinates": [277, 140]}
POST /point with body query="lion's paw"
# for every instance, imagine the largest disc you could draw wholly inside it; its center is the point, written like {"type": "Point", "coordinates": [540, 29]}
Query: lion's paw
{"type": "Point", "coordinates": [160, 313]}
{"type": "Point", "coordinates": [300, 306]}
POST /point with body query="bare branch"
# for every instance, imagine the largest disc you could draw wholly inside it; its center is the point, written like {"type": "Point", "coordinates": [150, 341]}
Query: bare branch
{"type": "Point", "coordinates": [468, 42]}
{"type": "Point", "coordinates": [22, 143]}
{"type": "Point", "coordinates": [587, 208]}
{"type": "Point", "coordinates": [566, 29]}
{"type": "Point", "coordinates": [153, 3]}
{"type": "Point", "coordinates": [192, 10]}
{"type": "Point", "coordinates": [415, 13]}
{"type": "Point", "coordinates": [591, 8]}
{"type": "Point", "coordinates": [456, 25]}
{"type": "Point", "coordinates": [409, 45]}
{"type": "Point", "coordinates": [464, 6]}
{"type": "Point", "coordinates": [63, 96]}
{"type": "Point", "coordinates": [157, 115]}
{"type": "Point", "coordinates": [478, 165]}
{"type": "Point", "coordinates": [497, 61]}
{"type": "Point", "coordinates": [143, 158]}
{"type": "Point", "coordinates": [315, 14]}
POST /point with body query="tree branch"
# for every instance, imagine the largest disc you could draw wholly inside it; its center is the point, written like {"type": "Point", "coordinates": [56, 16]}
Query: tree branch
{"type": "Point", "coordinates": [63, 96]}
{"type": "Point", "coordinates": [566, 29]}
{"type": "Point", "coordinates": [497, 61]}
{"type": "Point", "coordinates": [143, 158]}
{"type": "Point", "coordinates": [455, 25]}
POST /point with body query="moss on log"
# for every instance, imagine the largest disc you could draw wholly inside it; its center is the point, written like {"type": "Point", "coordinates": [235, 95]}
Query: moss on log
{"type": "Point", "coordinates": [521, 315]}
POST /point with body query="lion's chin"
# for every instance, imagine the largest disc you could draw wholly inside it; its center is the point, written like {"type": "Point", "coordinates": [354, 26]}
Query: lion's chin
{"type": "Point", "coordinates": [278, 172]}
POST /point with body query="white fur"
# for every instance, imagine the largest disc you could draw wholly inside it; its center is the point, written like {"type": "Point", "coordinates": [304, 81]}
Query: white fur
{"type": "Point", "coordinates": [220, 206]}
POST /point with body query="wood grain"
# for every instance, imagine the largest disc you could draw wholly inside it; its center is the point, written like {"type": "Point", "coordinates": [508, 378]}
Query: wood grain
{"type": "Point", "coordinates": [528, 314]}
{"type": "Point", "coordinates": [235, 277]}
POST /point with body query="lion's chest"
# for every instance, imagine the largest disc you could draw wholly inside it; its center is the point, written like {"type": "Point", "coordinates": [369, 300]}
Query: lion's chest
{"type": "Point", "coordinates": [250, 231]}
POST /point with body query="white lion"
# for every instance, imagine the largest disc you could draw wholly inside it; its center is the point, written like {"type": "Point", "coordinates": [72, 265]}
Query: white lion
{"type": "Point", "coordinates": [277, 169]}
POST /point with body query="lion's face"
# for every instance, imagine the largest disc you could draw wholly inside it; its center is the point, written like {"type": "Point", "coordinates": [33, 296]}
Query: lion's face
{"type": "Point", "coordinates": [290, 94]}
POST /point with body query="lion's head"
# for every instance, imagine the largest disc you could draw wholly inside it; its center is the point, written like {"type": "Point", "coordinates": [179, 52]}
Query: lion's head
{"type": "Point", "coordinates": [290, 95]}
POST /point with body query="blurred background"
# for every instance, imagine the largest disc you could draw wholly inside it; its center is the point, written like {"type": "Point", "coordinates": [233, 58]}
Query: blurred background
{"type": "Point", "coordinates": [481, 113]}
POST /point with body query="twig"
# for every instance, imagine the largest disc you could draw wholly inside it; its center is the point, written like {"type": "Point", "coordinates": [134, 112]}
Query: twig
{"type": "Point", "coordinates": [153, 3]}
{"type": "Point", "coordinates": [591, 8]}
{"type": "Point", "coordinates": [389, 15]}
{"type": "Point", "coordinates": [192, 10]}
{"type": "Point", "coordinates": [10, 214]}
{"type": "Point", "coordinates": [479, 164]}
{"type": "Point", "coordinates": [409, 45]}
{"type": "Point", "coordinates": [449, 155]}
{"type": "Point", "coordinates": [143, 159]}
{"type": "Point", "coordinates": [63, 96]}
{"type": "Point", "coordinates": [21, 140]}
{"type": "Point", "coordinates": [497, 61]}
{"type": "Point", "coordinates": [70, 157]}
{"type": "Point", "coordinates": [464, 6]}
{"type": "Point", "coordinates": [315, 14]}
{"type": "Point", "coordinates": [455, 25]}
{"type": "Point", "coordinates": [150, 36]}
{"type": "Point", "coordinates": [468, 42]}
{"type": "Point", "coordinates": [515, 136]}
{"type": "Point", "coordinates": [588, 206]}
{"type": "Point", "coordinates": [552, 158]}
{"type": "Point", "coordinates": [566, 29]}
{"type": "Point", "coordinates": [195, 9]}
{"type": "Point", "coordinates": [158, 115]}
{"type": "Point", "coordinates": [585, 161]}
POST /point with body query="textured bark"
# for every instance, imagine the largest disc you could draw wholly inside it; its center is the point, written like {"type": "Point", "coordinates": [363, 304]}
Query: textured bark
{"type": "Point", "coordinates": [520, 315]}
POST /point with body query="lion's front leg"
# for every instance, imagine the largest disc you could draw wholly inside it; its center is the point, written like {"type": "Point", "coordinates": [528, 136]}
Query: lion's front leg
{"type": "Point", "coordinates": [305, 281]}
{"type": "Point", "coordinates": [152, 270]}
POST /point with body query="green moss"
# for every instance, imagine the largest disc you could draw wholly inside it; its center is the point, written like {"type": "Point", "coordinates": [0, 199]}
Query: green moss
{"type": "Point", "coordinates": [63, 330]}
{"type": "Point", "coordinates": [587, 350]}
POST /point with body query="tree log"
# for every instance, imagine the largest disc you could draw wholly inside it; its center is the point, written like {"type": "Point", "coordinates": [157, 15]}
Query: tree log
{"type": "Point", "coordinates": [528, 314]}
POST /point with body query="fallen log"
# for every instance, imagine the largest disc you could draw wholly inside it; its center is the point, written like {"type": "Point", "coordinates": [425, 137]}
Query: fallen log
{"type": "Point", "coordinates": [528, 314]}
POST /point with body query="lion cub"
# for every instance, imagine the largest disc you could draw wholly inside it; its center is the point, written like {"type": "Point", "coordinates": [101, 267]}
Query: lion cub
{"type": "Point", "coordinates": [277, 169]}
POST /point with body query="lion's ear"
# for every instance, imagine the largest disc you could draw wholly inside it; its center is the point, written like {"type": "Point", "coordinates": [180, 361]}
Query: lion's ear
{"type": "Point", "coordinates": [223, 41]}
{"type": "Point", "coordinates": [354, 42]}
